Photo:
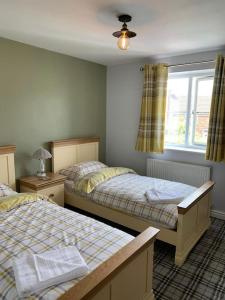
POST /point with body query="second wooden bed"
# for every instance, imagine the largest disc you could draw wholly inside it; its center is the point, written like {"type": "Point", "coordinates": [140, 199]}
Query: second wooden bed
{"type": "Point", "coordinates": [193, 211]}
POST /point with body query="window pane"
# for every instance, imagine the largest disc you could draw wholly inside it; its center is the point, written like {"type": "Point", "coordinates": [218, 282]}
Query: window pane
{"type": "Point", "coordinates": [204, 94]}
{"type": "Point", "coordinates": [176, 114]}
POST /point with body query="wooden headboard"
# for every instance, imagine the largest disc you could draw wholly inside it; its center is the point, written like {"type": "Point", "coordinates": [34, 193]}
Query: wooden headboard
{"type": "Point", "coordinates": [66, 153]}
{"type": "Point", "coordinates": [7, 165]}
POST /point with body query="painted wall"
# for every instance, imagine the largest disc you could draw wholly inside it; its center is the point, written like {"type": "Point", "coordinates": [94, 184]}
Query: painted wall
{"type": "Point", "coordinates": [46, 96]}
{"type": "Point", "coordinates": [124, 90]}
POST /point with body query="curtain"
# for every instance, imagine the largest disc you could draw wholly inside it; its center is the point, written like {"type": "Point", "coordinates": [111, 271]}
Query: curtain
{"type": "Point", "coordinates": [153, 109]}
{"type": "Point", "coordinates": [215, 150]}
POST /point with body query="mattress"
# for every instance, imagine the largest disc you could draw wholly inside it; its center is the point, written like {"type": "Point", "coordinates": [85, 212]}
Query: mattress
{"type": "Point", "coordinates": [127, 193]}
{"type": "Point", "coordinates": [41, 226]}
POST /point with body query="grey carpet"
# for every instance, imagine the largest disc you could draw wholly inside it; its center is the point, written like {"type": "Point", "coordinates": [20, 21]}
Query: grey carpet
{"type": "Point", "coordinates": [203, 274]}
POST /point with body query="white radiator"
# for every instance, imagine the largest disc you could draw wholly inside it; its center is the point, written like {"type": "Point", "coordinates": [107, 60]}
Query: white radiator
{"type": "Point", "coordinates": [194, 175]}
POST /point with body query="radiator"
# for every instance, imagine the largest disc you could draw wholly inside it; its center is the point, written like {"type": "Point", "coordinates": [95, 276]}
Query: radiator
{"type": "Point", "coordinates": [194, 175]}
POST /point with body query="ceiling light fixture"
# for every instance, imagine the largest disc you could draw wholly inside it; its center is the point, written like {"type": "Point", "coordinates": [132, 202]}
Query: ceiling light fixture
{"type": "Point", "coordinates": [124, 34]}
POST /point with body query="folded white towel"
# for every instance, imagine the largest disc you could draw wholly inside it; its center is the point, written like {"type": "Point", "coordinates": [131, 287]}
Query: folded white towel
{"type": "Point", "coordinates": [35, 272]}
{"type": "Point", "coordinates": [163, 197]}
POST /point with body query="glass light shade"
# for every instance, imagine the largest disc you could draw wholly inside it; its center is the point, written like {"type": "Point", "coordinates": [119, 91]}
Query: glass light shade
{"type": "Point", "coordinates": [42, 154]}
{"type": "Point", "coordinates": [123, 41]}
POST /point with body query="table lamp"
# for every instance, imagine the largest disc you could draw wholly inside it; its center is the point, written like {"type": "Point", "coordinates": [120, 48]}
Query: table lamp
{"type": "Point", "coordinates": [41, 154]}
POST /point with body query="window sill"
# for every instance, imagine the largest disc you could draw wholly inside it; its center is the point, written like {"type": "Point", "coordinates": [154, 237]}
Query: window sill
{"type": "Point", "coordinates": [183, 149]}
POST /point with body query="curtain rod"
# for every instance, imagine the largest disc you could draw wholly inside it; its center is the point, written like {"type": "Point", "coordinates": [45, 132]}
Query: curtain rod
{"type": "Point", "coordinates": [187, 64]}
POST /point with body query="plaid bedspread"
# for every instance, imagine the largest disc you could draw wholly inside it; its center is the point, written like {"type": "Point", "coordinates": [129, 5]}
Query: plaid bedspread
{"type": "Point", "coordinates": [127, 193]}
{"type": "Point", "coordinates": [41, 226]}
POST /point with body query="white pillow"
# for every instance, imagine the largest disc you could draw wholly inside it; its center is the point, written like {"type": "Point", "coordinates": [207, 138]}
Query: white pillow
{"type": "Point", "coordinates": [79, 170]}
{"type": "Point", "coordinates": [5, 190]}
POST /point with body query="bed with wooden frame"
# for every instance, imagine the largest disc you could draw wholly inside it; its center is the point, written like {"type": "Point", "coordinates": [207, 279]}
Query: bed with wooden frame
{"type": "Point", "coordinates": [125, 275]}
{"type": "Point", "coordinates": [193, 211]}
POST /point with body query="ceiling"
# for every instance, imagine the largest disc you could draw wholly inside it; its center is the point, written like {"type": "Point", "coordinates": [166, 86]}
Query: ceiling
{"type": "Point", "coordinates": [84, 28]}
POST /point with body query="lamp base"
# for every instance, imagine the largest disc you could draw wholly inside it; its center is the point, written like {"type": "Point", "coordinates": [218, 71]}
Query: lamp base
{"type": "Point", "coordinates": [41, 174]}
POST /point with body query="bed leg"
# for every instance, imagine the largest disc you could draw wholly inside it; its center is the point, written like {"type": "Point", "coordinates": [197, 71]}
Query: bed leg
{"type": "Point", "coordinates": [149, 296]}
{"type": "Point", "coordinates": [179, 259]}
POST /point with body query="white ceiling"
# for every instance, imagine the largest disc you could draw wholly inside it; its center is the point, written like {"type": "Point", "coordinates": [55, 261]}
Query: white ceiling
{"type": "Point", "coordinates": [84, 28]}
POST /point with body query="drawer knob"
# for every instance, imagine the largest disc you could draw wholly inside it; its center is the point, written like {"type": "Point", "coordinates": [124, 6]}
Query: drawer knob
{"type": "Point", "coordinates": [51, 195]}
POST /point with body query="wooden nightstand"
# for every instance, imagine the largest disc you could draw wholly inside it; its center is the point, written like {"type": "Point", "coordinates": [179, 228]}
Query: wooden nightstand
{"type": "Point", "coordinates": [53, 187]}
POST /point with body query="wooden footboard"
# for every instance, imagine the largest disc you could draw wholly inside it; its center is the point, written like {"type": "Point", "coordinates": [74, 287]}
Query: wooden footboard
{"type": "Point", "coordinates": [193, 220]}
{"type": "Point", "coordinates": [125, 275]}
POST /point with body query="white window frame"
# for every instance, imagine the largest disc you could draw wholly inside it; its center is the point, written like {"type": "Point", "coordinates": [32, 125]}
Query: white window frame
{"type": "Point", "coordinates": [191, 108]}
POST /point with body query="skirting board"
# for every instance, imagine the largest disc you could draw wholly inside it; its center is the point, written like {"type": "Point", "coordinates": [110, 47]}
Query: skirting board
{"type": "Point", "coordinates": [218, 214]}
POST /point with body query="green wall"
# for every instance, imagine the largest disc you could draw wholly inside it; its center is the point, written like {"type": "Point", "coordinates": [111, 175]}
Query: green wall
{"type": "Point", "coordinates": [46, 96]}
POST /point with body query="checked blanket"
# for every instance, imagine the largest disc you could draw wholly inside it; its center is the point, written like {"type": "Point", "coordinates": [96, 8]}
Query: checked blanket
{"type": "Point", "coordinates": [40, 225]}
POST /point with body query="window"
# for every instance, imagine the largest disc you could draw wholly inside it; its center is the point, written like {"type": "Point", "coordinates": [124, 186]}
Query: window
{"type": "Point", "coordinates": [188, 106]}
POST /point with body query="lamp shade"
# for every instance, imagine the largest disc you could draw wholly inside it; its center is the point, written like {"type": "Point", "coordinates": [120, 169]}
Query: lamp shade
{"type": "Point", "coordinates": [41, 154]}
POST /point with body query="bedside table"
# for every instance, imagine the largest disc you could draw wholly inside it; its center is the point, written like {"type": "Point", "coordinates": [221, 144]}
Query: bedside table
{"type": "Point", "coordinates": [53, 187]}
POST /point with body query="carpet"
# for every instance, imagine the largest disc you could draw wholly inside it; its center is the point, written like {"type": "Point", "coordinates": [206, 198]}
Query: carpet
{"type": "Point", "coordinates": [202, 276]}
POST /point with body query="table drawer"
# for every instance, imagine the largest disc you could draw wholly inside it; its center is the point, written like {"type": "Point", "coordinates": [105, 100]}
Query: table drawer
{"type": "Point", "coordinates": [56, 192]}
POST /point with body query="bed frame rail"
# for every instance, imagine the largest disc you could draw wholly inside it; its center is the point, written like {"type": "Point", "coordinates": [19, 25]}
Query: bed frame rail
{"type": "Point", "coordinates": [190, 201]}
